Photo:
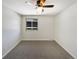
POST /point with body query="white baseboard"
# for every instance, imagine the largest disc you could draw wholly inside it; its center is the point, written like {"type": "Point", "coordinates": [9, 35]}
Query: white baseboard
{"type": "Point", "coordinates": [37, 40]}
{"type": "Point", "coordinates": [11, 48]}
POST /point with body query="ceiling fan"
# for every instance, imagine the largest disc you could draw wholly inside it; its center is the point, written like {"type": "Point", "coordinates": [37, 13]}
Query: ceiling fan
{"type": "Point", "coordinates": [40, 3]}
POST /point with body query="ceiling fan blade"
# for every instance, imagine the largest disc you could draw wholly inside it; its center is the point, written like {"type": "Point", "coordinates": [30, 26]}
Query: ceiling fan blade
{"type": "Point", "coordinates": [48, 6]}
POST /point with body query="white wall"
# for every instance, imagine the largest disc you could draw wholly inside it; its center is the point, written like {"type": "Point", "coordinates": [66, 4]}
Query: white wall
{"type": "Point", "coordinates": [10, 28]}
{"type": "Point", "coordinates": [45, 28]}
{"type": "Point", "coordinates": [66, 29]}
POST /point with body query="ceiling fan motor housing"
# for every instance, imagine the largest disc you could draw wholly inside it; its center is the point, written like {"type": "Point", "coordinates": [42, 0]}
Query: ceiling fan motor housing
{"type": "Point", "coordinates": [40, 2]}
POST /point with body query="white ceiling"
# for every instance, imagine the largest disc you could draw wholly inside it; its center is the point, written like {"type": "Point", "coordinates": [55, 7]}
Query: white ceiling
{"type": "Point", "coordinates": [23, 8]}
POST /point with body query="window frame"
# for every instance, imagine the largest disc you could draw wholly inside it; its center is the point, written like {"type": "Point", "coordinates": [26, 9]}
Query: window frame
{"type": "Point", "coordinates": [32, 27]}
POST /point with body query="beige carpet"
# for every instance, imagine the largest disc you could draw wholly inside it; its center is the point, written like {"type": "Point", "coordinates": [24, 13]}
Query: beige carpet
{"type": "Point", "coordinates": [38, 50]}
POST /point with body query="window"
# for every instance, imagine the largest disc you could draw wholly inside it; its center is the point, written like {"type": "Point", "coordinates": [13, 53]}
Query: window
{"type": "Point", "coordinates": [31, 24]}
